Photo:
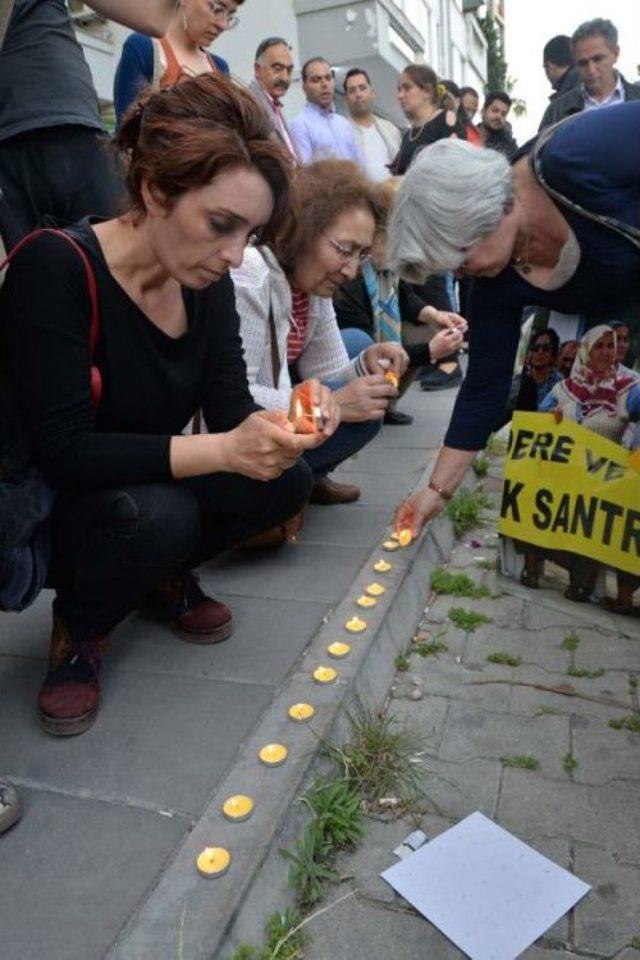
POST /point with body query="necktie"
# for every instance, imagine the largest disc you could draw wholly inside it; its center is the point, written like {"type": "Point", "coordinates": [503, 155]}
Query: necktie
{"type": "Point", "coordinates": [383, 294]}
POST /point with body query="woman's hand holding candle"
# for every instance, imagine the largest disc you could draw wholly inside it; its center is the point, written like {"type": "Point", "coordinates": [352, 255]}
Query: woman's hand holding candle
{"type": "Point", "coordinates": [386, 356]}
{"type": "Point", "coordinates": [265, 445]}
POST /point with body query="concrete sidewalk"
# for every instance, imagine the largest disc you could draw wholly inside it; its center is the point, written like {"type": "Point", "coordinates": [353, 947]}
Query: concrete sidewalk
{"type": "Point", "coordinates": [109, 815]}
{"type": "Point", "coordinates": [580, 808]}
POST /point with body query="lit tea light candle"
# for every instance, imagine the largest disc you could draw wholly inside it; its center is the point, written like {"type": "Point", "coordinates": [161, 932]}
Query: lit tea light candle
{"type": "Point", "coordinates": [405, 537]}
{"type": "Point", "coordinates": [375, 589]}
{"type": "Point", "coordinates": [393, 378]}
{"type": "Point", "coordinates": [395, 536]}
{"type": "Point", "coordinates": [213, 862]}
{"type": "Point", "coordinates": [273, 754]}
{"type": "Point", "coordinates": [301, 712]}
{"type": "Point", "coordinates": [390, 545]}
{"type": "Point", "coordinates": [356, 625]}
{"type": "Point", "coordinates": [325, 675]}
{"type": "Point", "coordinates": [365, 601]}
{"type": "Point", "coordinates": [338, 650]}
{"type": "Point", "coordinates": [382, 566]}
{"type": "Point", "coordinates": [238, 808]}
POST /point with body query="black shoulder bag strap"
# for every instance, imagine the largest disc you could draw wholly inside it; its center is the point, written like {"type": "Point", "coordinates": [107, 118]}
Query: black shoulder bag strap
{"type": "Point", "coordinates": [632, 234]}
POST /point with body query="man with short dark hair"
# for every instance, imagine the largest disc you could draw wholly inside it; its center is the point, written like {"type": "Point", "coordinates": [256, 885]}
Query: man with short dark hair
{"type": "Point", "coordinates": [319, 132]}
{"type": "Point", "coordinates": [378, 139]}
{"type": "Point", "coordinates": [273, 71]}
{"type": "Point", "coordinates": [559, 66]}
{"type": "Point", "coordinates": [494, 127]}
{"type": "Point", "coordinates": [469, 101]}
{"type": "Point", "coordinates": [595, 50]}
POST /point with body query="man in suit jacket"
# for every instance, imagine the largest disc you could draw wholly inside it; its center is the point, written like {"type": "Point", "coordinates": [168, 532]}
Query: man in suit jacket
{"type": "Point", "coordinates": [595, 50]}
{"type": "Point", "coordinates": [273, 70]}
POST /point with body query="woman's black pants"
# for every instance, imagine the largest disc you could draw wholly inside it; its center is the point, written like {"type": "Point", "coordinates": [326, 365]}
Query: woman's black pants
{"type": "Point", "coordinates": [113, 546]}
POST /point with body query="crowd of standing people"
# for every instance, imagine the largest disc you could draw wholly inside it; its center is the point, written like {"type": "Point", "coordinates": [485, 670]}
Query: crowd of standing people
{"type": "Point", "coordinates": [237, 255]}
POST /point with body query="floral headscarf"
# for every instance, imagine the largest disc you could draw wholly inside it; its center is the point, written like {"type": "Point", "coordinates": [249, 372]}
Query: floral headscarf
{"type": "Point", "coordinates": [596, 391]}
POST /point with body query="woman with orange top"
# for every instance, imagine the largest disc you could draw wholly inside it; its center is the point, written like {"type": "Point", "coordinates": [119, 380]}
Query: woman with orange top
{"type": "Point", "coordinates": [182, 52]}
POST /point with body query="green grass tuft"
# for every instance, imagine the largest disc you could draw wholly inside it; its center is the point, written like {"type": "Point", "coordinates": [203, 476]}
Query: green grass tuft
{"type": "Point", "coordinates": [506, 659]}
{"type": "Point", "coordinates": [569, 764]}
{"type": "Point", "coordinates": [496, 447]}
{"type": "Point", "coordinates": [480, 466]}
{"type": "Point", "coordinates": [402, 663]}
{"type": "Point", "coordinates": [630, 723]}
{"type": "Point", "coordinates": [571, 642]}
{"type": "Point", "coordinates": [431, 648]}
{"type": "Point", "coordinates": [521, 762]}
{"type": "Point", "coordinates": [456, 584]}
{"type": "Point", "coordinates": [465, 510]}
{"type": "Point", "coordinates": [467, 620]}
{"type": "Point", "coordinates": [589, 674]}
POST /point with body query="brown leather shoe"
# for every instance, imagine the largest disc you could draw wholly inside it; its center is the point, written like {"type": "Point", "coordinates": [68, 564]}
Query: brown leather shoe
{"type": "Point", "coordinates": [70, 695]}
{"type": "Point", "coordinates": [275, 536]}
{"type": "Point", "coordinates": [327, 491]}
{"type": "Point", "coordinates": [195, 617]}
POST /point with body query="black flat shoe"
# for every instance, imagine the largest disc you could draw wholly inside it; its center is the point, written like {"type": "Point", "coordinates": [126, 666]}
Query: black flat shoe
{"type": "Point", "coordinates": [397, 419]}
{"type": "Point", "coordinates": [437, 379]}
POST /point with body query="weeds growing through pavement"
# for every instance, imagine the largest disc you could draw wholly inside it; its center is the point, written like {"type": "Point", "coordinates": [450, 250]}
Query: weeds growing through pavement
{"type": "Point", "coordinates": [506, 659]}
{"type": "Point", "coordinates": [380, 760]}
{"type": "Point", "coordinates": [630, 723]}
{"type": "Point", "coordinates": [496, 446]}
{"type": "Point", "coordinates": [285, 940]}
{"type": "Point", "coordinates": [589, 674]}
{"type": "Point", "coordinates": [465, 510]}
{"type": "Point", "coordinates": [521, 761]}
{"type": "Point", "coordinates": [569, 764]}
{"type": "Point", "coordinates": [633, 683]}
{"type": "Point", "coordinates": [571, 642]}
{"type": "Point", "coordinates": [402, 663]}
{"type": "Point", "coordinates": [430, 648]}
{"type": "Point", "coordinates": [487, 563]}
{"type": "Point", "coordinates": [339, 809]}
{"type": "Point", "coordinates": [467, 620]}
{"type": "Point", "coordinates": [456, 584]}
{"type": "Point", "coordinates": [635, 943]}
{"type": "Point", "coordinates": [480, 465]}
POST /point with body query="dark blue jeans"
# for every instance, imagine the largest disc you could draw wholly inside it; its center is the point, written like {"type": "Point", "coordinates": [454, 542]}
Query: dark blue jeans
{"type": "Point", "coordinates": [349, 438]}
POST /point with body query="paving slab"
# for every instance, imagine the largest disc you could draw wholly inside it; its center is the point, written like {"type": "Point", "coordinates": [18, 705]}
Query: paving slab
{"type": "Point", "coordinates": [607, 920]}
{"type": "Point", "coordinates": [73, 870]}
{"type": "Point", "coordinates": [605, 754]}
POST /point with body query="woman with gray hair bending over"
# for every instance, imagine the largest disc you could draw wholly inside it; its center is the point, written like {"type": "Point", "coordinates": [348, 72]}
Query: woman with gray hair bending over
{"type": "Point", "coordinates": [558, 228]}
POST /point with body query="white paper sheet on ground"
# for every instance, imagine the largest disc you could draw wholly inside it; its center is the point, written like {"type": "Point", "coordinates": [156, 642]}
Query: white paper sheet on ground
{"type": "Point", "coordinates": [490, 893]}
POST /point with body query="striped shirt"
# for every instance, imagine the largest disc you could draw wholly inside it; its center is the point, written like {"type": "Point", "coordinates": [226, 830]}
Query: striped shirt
{"type": "Point", "coordinates": [299, 323]}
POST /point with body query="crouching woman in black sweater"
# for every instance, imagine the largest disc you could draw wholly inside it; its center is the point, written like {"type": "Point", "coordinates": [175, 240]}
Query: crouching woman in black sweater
{"type": "Point", "coordinates": [140, 504]}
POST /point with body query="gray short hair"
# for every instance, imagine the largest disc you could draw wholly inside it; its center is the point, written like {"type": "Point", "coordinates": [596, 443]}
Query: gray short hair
{"type": "Point", "coordinates": [453, 195]}
{"type": "Point", "coordinates": [596, 28]}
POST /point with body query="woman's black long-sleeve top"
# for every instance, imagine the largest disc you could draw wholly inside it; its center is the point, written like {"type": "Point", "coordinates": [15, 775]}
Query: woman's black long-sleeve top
{"type": "Point", "coordinates": [152, 384]}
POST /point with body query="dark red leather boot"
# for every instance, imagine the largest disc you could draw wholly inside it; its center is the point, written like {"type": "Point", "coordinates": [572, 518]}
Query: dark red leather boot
{"type": "Point", "coordinates": [195, 617]}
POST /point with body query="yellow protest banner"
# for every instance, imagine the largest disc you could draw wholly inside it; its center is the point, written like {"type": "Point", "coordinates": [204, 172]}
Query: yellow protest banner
{"type": "Point", "coordinates": [566, 488]}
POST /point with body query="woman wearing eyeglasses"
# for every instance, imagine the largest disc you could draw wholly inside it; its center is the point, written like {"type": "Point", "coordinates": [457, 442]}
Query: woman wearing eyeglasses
{"type": "Point", "coordinates": [288, 324]}
{"type": "Point", "coordinates": [182, 52]}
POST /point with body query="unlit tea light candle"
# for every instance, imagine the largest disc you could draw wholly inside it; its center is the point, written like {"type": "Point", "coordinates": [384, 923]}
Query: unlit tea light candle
{"type": "Point", "coordinates": [375, 589]}
{"type": "Point", "coordinates": [238, 808]}
{"type": "Point", "coordinates": [325, 675]}
{"type": "Point", "coordinates": [273, 754]}
{"type": "Point", "coordinates": [391, 545]}
{"type": "Point", "coordinates": [338, 650]}
{"type": "Point", "coordinates": [382, 566]}
{"type": "Point", "coordinates": [365, 601]}
{"type": "Point", "coordinates": [301, 712]}
{"type": "Point", "coordinates": [213, 862]}
{"type": "Point", "coordinates": [356, 625]}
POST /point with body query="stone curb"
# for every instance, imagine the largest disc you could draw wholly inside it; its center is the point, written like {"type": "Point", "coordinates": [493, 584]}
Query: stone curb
{"type": "Point", "coordinates": [186, 917]}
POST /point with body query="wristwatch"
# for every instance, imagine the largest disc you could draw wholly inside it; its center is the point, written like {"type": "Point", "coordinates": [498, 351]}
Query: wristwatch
{"type": "Point", "coordinates": [439, 490]}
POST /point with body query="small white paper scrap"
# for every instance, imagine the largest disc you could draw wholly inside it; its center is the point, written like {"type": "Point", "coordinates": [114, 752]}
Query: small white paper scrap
{"type": "Point", "coordinates": [489, 892]}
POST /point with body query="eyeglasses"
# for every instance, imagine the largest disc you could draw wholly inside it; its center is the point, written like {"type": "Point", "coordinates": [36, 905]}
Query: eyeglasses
{"type": "Point", "coordinates": [349, 254]}
{"type": "Point", "coordinates": [219, 10]}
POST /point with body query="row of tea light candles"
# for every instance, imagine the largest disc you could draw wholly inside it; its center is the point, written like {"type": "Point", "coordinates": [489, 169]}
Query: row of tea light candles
{"type": "Point", "coordinates": [214, 862]}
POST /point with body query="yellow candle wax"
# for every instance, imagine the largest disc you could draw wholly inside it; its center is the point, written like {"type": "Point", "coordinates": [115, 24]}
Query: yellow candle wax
{"type": "Point", "coordinates": [213, 862]}
{"type": "Point", "coordinates": [356, 625]}
{"type": "Point", "coordinates": [382, 566]}
{"type": "Point", "coordinates": [301, 712]}
{"type": "Point", "coordinates": [238, 808]}
{"type": "Point", "coordinates": [365, 601]}
{"type": "Point", "coordinates": [273, 754]}
{"type": "Point", "coordinates": [375, 589]}
{"type": "Point", "coordinates": [338, 650]}
{"type": "Point", "coordinates": [390, 545]}
{"type": "Point", "coordinates": [325, 675]}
